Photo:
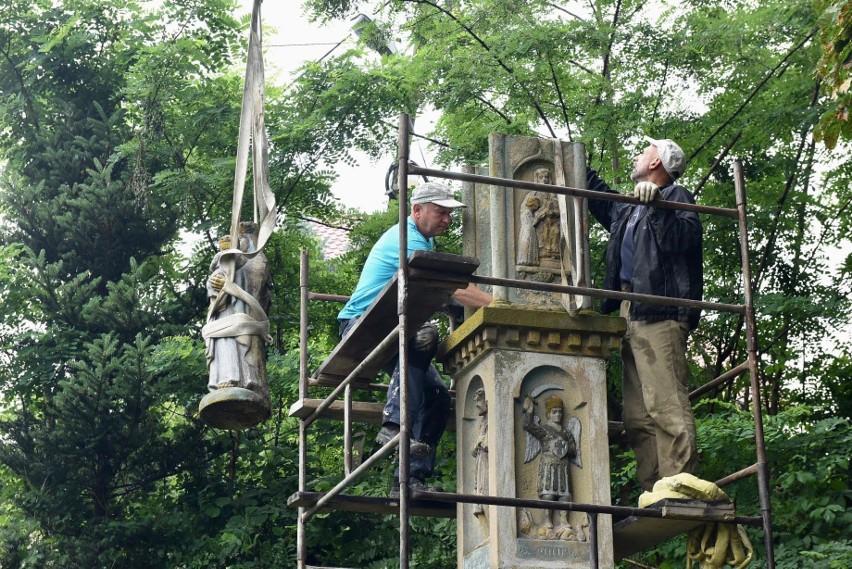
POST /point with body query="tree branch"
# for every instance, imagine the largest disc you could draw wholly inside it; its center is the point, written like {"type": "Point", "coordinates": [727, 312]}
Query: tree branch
{"type": "Point", "coordinates": [608, 52]}
{"type": "Point", "coordinates": [561, 98]}
{"type": "Point", "coordinates": [561, 9]}
{"type": "Point", "coordinates": [754, 93]}
{"type": "Point", "coordinates": [715, 165]}
{"type": "Point", "coordinates": [20, 78]}
{"type": "Point", "coordinates": [769, 250]}
{"type": "Point", "coordinates": [499, 61]}
{"type": "Point", "coordinates": [493, 108]}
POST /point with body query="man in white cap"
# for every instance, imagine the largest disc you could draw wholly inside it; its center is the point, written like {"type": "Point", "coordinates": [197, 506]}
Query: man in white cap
{"type": "Point", "coordinates": [429, 399]}
{"type": "Point", "coordinates": [655, 251]}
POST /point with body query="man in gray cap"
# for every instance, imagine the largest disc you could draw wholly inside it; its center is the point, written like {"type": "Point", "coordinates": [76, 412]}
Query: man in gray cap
{"type": "Point", "coordinates": [659, 252]}
{"type": "Point", "coordinates": [429, 399]}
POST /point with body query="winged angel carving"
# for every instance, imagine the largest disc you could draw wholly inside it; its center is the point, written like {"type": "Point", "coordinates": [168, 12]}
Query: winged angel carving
{"type": "Point", "coordinates": [559, 447]}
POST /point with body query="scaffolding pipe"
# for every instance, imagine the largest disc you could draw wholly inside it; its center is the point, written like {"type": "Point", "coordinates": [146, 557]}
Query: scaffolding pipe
{"type": "Point", "coordinates": [568, 191]}
{"type": "Point", "coordinates": [618, 511]}
{"type": "Point", "coordinates": [601, 293]}
{"type": "Point", "coordinates": [738, 475]}
{"type": "Point", "coordinates": [301, 543]}
{"type": "Point", "coordinates": [724, 378]}
{"type": "Point", "coordinates": [329, 297]}
{"type": "Point", "coordinates": [332, 397]}
{"type": "Point", "coordinates": [402, 305]}
{"type": "Point", "coordinates": [751, 341]}
{"type": "Point", "coordinates": [347, 430]}
{"type": "Point", "coordinates": [352, 478]}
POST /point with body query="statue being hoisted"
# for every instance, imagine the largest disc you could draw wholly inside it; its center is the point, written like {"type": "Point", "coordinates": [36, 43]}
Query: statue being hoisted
{"type": "Point", "coordinates": [236, 334]}
{"type": "Point", "coordinates": [237, 328]}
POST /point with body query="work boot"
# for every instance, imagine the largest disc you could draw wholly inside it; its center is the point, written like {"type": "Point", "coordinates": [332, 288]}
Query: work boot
{"type": "Point", "coordinates": [390, 430]}
{"type": "Point", "coordinates": [413, 484]}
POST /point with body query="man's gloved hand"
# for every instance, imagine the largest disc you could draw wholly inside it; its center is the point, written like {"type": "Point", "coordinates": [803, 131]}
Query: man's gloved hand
{"type": "Point", "coordinates": [646, 192]}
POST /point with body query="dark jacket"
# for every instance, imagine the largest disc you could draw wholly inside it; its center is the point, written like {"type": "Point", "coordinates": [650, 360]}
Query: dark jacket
{"type": "Point", "coordinates": [667, 249]}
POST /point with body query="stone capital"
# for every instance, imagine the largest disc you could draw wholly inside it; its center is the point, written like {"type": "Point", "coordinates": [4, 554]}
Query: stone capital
{"type": "Point", "coordinates": [530, 329]}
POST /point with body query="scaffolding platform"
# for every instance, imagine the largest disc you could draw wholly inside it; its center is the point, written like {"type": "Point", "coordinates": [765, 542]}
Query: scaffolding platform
{"type": "Point", "coordinates": [433, 278]}
{"type": "Point", "coordinates": [373, 505]}
{"type": "Point", "coordinates": [634, 534]}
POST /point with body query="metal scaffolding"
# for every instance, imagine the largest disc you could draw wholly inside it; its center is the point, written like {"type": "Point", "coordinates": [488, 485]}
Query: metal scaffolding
{"type": "Point", "coordinates": [309, 503]}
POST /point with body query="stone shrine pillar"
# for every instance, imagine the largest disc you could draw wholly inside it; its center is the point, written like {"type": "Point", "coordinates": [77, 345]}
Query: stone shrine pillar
{"type": "Point", "coordinates": [530, 378]}
{"type": "Point", "coordinates": [531, 422]}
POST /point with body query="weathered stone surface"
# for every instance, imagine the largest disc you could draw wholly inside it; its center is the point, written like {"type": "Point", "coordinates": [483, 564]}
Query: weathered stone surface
{"type": "Point", "coordinates": [523, 328]}
{"type": "Point", "coordinates": [500, 356]}
{"type": "Point", "coordinates": [521, 234]}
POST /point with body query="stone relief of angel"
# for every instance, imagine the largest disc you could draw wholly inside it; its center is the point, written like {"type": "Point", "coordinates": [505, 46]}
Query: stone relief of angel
{"type": "Point", "coordinates": [559, 447]}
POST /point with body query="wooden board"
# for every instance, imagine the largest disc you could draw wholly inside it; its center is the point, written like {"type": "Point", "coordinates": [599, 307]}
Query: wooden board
{"type": "Point", "coordinates": [635, 534]}
{"type": "Point", "coordinates": [373, 505]}
{"type": "Point", "coordinates": [362, 411]}
{"type": "Point", "coordinates": [433, 279]}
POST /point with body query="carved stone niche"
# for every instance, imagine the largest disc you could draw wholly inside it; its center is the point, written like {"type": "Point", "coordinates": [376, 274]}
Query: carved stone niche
{"type": "Point", "coordinates": [512, 367]}
{"type": "Point", "coordinates": [520, 234]}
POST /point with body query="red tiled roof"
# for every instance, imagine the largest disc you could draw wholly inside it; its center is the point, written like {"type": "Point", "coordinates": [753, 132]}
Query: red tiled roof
{"type": "Point", "coordinates": [335, 241]}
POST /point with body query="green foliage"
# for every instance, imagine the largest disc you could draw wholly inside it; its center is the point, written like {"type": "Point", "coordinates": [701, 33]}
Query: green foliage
{"type": "Point", "coordinates": [118, 126]}
{"type": "Point", "coordinates": [836, 40]}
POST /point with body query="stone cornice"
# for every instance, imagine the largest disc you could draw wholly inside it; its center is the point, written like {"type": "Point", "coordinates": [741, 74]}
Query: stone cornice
{"type": "Point", "coordinates": [528, 329]}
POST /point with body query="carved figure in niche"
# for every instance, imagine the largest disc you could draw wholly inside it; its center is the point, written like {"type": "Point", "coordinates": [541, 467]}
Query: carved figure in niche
{"type": "Point", "coordinates": [558, 447]}
{"type": "Point", "coordinates": [480, 451]}
{"type": "Point", "coordinates": [527, 237]}
{"type": "Point", "coordinates": [547, 219]}
{"type": "Point", "coordinates": [239, 360]}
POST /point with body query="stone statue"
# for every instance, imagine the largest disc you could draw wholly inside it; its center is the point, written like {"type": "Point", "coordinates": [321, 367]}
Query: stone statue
{"type": "Point", "coordinates": [558, 447]}
{"type": "Point", "coordinates": [480, 451]}
{"type": "Point", "coordinates": [527, 238]}
{"type": "Point", "coordinates": [547, 218]}
{"type": "Point", "coordinates": [235, 335]}
{"type": "Point", "coordinates": [538, 250]}
{"type": "Point", "coordinates": [547, 222]}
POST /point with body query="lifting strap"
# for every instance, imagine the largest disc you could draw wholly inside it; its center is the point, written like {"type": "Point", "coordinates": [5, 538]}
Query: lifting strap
{"type": "Point", "coordinates": [252, 135]}
{"type": "Point", "coordinates": [573, 239]}
{"type": "Point", "coordinates": [715, 544]}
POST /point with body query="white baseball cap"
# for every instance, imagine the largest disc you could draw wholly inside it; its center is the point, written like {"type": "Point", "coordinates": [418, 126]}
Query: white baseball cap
{"type": "Point", "coordinates": [433, 192]}
{"type": "Point", "coordinates": [671, 156]}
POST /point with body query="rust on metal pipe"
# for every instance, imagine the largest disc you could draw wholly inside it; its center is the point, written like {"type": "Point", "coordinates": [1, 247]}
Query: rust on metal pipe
{"type": "Point", "coordinates": [751, 342]}
{"type": "Point", "coordinates": [724, 378]}
{"type": "Point", "coordinates": [568, 191]}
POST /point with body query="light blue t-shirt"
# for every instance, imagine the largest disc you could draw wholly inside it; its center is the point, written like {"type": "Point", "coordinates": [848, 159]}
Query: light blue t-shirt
{"type": "Point", "coordinates": [382, 264]}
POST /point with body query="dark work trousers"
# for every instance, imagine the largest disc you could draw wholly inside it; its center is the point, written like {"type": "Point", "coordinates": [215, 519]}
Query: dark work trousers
{"type": "Point", "coordinates": [428, 395]}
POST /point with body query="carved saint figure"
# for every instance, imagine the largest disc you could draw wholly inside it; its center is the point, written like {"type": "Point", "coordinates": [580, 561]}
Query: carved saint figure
{"type": "Point", "coordinates": [527, 238]}
{"type": "Point", "coordinates": [239, 360]}
{"type": "Point", "coordinates": [558, 447]}
{"type": "Point", "coordinates": [480, 450]}
{"type": "Point", "coordinates": [546, 219]}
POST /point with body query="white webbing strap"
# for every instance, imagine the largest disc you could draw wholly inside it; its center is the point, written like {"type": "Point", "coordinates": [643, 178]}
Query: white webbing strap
{"type": "Point", "coordinates": [252, 134]}
{"type": "Point", "coordinates": [571, 236]}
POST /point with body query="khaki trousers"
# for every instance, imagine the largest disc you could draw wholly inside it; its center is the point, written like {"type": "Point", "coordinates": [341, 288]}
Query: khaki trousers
{"type": "Point", "coordinates": [657, 413]}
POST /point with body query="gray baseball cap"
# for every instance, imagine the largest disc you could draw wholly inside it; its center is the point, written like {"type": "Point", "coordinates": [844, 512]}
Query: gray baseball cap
{"type": "Point", "coordinates": [433, 192]}
{"type": "Point", "coordinates": [671, 156]}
